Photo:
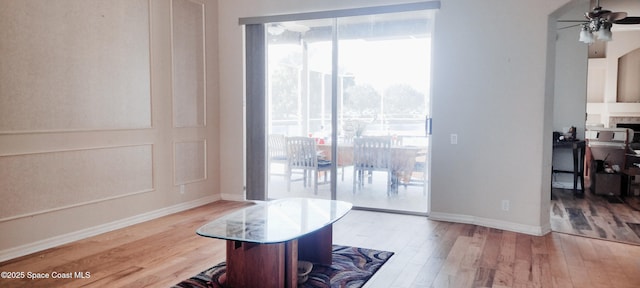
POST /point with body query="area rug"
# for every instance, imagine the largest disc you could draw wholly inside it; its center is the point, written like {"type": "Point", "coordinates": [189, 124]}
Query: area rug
{"type": "Point", "coordinates": [352, 267]}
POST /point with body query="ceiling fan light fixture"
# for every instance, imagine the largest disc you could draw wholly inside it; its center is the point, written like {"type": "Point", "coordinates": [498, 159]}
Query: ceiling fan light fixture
{"type": "Point", "coordinates": [585, 35]}
{"type": "Point", "coordinates": [604, 33]}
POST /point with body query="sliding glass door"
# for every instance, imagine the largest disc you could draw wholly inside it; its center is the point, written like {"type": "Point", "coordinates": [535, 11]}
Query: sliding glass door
{"type": "Point", "coordinates": [333, 85]}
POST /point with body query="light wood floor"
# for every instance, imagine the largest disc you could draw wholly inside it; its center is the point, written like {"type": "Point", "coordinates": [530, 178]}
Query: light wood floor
{"type": "Point", "coordinates": [606, 217]}
{"type": "Point", "coordinates": [164, 251]}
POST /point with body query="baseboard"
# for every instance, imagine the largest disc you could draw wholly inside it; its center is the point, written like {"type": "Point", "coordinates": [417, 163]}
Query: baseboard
{"type": "Point", "coordinates": [29, 248]}
{"type": "Point", "coordinates": [233, 197]}
{"type": "Point", "coordinates": [492, 223]}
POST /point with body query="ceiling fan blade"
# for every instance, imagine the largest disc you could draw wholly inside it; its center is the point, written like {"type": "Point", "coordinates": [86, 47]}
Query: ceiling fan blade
{"type": "Point", "coordinates": [616, 16]}
{"type": "Point", "coordinates": [570, 26]}
{"type": "Point", "coordinates": [628, 20]}
{"type": "Point", "coordinates": [597, 13]}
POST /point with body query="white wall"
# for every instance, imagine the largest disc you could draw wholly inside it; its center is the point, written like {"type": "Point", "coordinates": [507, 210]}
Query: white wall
{"type": "Point", "coordinates": [490, 86]}
{"type": "Point", "coordinates": [571, 75]}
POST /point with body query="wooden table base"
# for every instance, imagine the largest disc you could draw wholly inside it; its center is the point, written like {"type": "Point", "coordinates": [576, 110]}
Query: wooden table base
{"type": "Point", "coordinates": [317, 247]}
{"type": "Point", "coordinates": [276, 265]}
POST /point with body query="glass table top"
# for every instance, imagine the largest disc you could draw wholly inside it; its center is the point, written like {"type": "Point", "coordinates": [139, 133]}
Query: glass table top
{"type": "Point", "coordinates": [276, 221]}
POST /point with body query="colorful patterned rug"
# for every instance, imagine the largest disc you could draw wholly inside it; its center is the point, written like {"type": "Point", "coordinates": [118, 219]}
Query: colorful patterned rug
{"type": "Point", "coordinates": [352, 267]}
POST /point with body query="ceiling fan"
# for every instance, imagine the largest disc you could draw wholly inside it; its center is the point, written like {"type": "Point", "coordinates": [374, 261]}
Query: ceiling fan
{"type": "Point", "coordinates": [599, 21]}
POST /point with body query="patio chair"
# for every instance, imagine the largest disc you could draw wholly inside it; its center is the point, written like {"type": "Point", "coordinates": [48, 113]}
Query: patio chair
{"type": "Point", "coordinates": [277, 151]}
{"type": "Point", "coordinates": [418, 176]}
{"type": "Point", "coordinates": [371, 154]}
{"type": "Point", "coordinates": [302, 155]}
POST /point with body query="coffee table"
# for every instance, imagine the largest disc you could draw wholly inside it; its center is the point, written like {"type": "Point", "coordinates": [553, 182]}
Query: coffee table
{"type": "Point", "coordinates": [266, 240]}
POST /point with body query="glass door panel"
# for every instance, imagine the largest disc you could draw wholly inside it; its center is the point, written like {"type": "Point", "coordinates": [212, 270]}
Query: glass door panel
{"type": "Point", "coordinates": [384, 71]}
{"type": "Point", "coordinates": [299, 108]}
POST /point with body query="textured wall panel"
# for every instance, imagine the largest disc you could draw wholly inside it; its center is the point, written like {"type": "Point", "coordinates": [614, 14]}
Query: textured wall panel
{"type": "Point", "coordinates": [188, 63]}
{"type": "Point", "coordinates": [35, 183]}
{"type": "Point", "coordinates": [190, 161]}
{"type": "Point", "coordinates": [74, 65]}
{"type": "Point", "coordinates": [629, 77]}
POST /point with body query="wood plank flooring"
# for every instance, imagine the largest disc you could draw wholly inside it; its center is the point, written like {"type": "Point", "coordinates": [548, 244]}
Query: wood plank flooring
{"type": "Point", "coordinates": [162, 252]}
{"type": "Point", "coordinates": [605, 217]}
